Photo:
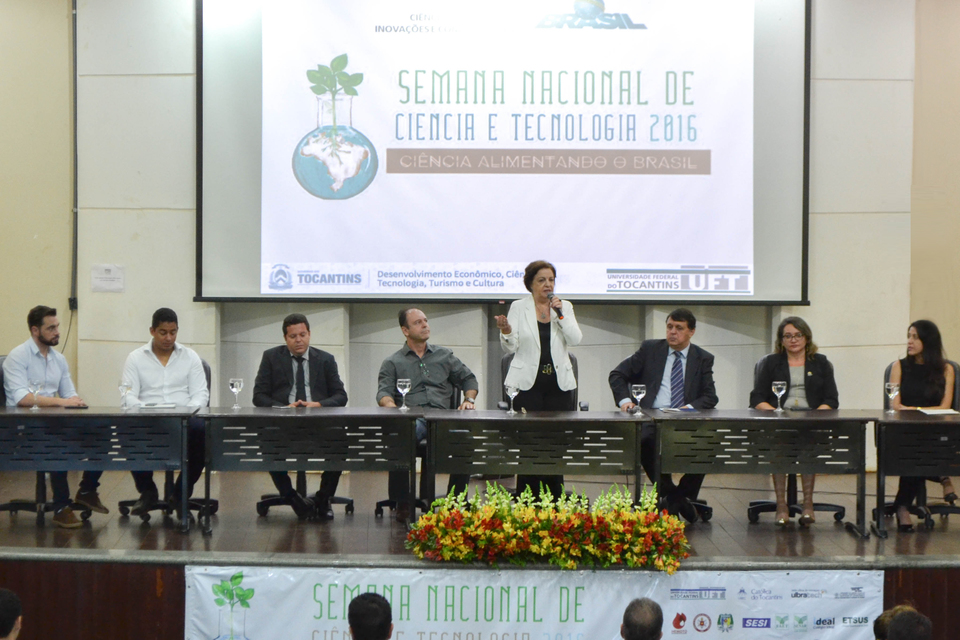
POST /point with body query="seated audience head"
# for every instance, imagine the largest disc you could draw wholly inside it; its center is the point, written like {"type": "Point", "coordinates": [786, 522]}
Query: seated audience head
{"type": "Point", "coordinates": [11, 615]}
{"type": "Point", "coordinates": [369, 617]}
{"type": "Point", "coordinates": [909, 625]}
{"type": "Point", "coordinates": [533, 269]}
{"type": "Point", "coordinates": [794, 333]}
{"type": "Point", "coordinates": [642, 620]}
{"type": "Point", "coordinates": [44, 326]}
{"type": "Point", "coordinates": [414, 325]}
{"type": "Point", "coordinates": [296, 331]}
{"type": "Point", "coordinates": [681, 325]}
{"type": "Point", "coordinates": [883, 620]}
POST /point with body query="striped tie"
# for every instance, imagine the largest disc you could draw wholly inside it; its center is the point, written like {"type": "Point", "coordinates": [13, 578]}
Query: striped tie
{"type": "Point", "coordinates": [676, 382]}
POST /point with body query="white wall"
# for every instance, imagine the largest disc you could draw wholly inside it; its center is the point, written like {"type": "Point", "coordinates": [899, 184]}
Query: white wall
{"type": "Point", "coordinates": [137, 195]}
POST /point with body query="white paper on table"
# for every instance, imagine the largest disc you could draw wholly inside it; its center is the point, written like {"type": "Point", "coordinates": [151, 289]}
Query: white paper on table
{"type": "Point", "coordinates": [939, 412]}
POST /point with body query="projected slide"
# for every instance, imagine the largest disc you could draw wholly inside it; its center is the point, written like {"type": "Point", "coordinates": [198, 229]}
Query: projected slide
{"type": "Point", "coordinates": [416, 148]}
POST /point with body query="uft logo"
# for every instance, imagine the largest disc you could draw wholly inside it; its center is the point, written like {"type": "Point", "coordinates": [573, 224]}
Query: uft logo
{"type": "Point", "coordinates": [280, 277]}
{"type": "Point", "coordinates": [742, 594]}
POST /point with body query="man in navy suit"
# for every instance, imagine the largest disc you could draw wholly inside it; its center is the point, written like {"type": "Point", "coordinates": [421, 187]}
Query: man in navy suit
{"type": "Point", "coordinates": [677, 374]}
{"type": "Point", "coordinates": [298, 375]}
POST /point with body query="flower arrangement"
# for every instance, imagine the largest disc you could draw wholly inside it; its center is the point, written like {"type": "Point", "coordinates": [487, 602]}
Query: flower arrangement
{"type": "Point", "coordinates": [569, 533]}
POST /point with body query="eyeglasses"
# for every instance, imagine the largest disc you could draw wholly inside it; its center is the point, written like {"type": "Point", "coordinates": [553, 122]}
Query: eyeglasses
{"type": "Point", "coordinates": [792, 336]}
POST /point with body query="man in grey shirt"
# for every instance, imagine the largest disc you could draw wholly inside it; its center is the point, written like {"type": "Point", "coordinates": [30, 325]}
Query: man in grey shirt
{"type": "Point", "coordinates": [433, 373]}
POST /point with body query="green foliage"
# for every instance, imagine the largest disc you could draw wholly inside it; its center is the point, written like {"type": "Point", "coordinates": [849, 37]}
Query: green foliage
{"type": "Point", "coordinates": [333, 79]}
{"type": "Point", "coordinates": [230, 592]}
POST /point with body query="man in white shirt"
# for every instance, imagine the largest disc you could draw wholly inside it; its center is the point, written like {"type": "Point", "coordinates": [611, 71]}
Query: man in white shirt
{"type": "Point", "coordinates": [35, 360]}
{"type": "Point", "coordinates": [166, 372]}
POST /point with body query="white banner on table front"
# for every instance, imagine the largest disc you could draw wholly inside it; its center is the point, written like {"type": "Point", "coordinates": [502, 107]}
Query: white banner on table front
{"type": "Point", "coordinates": [458, 604]}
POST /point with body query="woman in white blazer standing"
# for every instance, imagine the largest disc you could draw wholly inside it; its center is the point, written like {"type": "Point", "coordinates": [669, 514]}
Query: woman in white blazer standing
{"type": "Point", "coordinates": [539, 329]}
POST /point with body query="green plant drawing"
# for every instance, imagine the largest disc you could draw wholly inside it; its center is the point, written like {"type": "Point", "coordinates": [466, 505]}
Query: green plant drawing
{"type": "Point", "coordinates": [230, 592]}
{"type": "Point", "coordinates": [333, 80]}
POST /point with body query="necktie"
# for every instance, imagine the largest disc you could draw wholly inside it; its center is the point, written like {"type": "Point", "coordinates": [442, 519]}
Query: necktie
{"type": "Point", "coordinates": [301, 385]}
{"type": "Point", "coordinates": [676, 382]}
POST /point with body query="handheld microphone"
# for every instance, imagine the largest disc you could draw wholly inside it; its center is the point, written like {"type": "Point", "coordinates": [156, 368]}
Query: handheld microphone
{"type": "Point", "coordinates": [559, 312]}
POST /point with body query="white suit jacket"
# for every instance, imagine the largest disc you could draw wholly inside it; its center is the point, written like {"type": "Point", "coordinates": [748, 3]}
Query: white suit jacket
{"type": "Point", "coordinates": [524, 340]}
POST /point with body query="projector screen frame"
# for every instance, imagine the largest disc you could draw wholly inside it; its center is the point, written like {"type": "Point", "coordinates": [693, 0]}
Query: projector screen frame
{"type": "Point", "coordinates": [804, 300]}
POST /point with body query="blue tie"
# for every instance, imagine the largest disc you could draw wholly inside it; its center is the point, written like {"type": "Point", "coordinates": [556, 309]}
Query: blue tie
{"type": "Point", "coordinates": [676, 382]}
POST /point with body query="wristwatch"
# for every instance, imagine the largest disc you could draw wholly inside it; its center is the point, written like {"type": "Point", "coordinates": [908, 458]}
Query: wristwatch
{"type": "Point", "coordinates": [470, 400]}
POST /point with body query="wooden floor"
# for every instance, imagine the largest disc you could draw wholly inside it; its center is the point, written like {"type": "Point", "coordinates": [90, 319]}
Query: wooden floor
{"type": "Point", "coordinates": [238, 529]}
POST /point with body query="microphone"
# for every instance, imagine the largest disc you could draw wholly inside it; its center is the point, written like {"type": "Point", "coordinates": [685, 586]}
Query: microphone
{"type": "Point", "coordinates": [559, 312]}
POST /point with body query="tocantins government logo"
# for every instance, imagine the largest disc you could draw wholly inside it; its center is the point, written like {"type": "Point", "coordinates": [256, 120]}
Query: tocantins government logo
{"type": "Point", "coordinates": [588, 9]}
{"type": "Point", "coordinates": [280, 277]}
{"type": "Point", "coordinates": [334, 161]}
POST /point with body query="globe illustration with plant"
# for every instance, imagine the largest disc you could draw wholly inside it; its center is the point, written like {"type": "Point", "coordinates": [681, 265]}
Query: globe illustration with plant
{"type": "Point", "coordinates": [335, 161]}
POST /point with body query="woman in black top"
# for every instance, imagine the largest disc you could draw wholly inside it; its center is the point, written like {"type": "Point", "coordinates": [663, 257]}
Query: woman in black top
{"type": "Point", "coordinates": [810, 385]}
{"type": "Point", "coordinates": [926, 381]}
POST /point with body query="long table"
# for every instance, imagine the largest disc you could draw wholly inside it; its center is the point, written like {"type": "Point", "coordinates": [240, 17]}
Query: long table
{"type": "Point", "coordinates": [762, 442]}
{"type": "Point", "coordinates": [912, 443]}
{"type": "Point", "coordinates": [535, 443]}
{"type": "Point", "coordinates": [93, 439]}
{"type": "Point", "coordinates": [311, 439]}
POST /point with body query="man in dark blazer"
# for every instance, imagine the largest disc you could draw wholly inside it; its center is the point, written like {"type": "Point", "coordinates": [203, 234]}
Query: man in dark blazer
{"type": "Point", "coordinates": [677, 374]}
{"type": "Point", "coordinates": [298, 375]}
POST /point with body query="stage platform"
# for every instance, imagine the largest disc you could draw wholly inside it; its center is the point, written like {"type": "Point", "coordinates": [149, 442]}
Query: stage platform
{"type": "Point", "coordinates": [727, 542]}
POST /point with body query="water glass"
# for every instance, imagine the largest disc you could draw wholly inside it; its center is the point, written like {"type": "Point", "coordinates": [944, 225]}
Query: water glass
{"type": "Point", "coordinates": [236, 386]}
{"type": "Point", "coordinates": [779, 388]}
{"type": "Point", "coordinates": [403, 386]}
{"type": "Point", "coordinates": [892, 389]}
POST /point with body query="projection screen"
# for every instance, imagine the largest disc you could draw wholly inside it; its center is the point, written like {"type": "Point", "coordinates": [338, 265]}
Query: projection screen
{"type": "Point", "coordinates": [652, 150]}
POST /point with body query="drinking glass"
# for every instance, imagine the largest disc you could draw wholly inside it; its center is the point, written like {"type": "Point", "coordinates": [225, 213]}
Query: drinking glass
{"type": "Point", "coordinates": [638, 391]}
{"type": "Point", "coordinates": [403, 386]}
{"type": "Point", "coordinates": [236, 385]}
{"type": "Point", "coordinates": [892, 389]}
{"type": "Point", "coordinates": [779, 388]}
{"type": "Point", "coordinates": [35, 387]}
{"type": "Point", "coordinates": [125, 386]}
{"type": "Point", "coordinates": [511, 393]}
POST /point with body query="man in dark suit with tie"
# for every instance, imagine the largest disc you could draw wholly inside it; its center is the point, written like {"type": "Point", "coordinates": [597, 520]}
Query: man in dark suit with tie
{"type": "Point", "coordinates": [677, 374]}
{"type": "Point", "coordinates": [298, 375]}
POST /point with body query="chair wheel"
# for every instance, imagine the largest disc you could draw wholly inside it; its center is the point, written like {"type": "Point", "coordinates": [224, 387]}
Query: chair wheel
{"type": "Point", "coordinates": [262, 510]}
{"type": "Point", "coordinates": [754, 518]}
{"type": "Point", "coordinates": [706, 516]}
{"type": "Point", "coordinates": [349, 508]}
{"type": "Point", "coordinates": [216, 507]}
{"type": "Point", "coordinates": [928, 523]}
{"type": "Point", "coordinates": [85, 515]}
{"type": "Point", "coordinates": [124, 511]}
{"type": "Point", "coordinates": [145, 517]}
{"type": "Point", "coordinates": [378, 512]}
{"type": "Point", "coordinates": [838, 516]}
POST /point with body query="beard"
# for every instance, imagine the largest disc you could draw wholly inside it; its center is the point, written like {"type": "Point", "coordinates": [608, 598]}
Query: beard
{"type": "Point", "coordinates": [50, 343]}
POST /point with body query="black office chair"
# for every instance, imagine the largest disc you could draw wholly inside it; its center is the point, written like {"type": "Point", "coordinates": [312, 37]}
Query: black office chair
{"type": "Point", "coordinates": [921, 509]}
{"type": "Point", "coordinates": [268, 500]}
{"type": "Point", "coordinates": [505, 361]}
{"type": "Point", "coordinates": [169, 502]}
{"type": "Point", "coordinates": [504, 403]}
{"type": "Point", "coordinates": [770, 506]}
{"type": "Point", "coordinates": [39, 505]}
{"type": "Point", "coordinates": [421, 501]}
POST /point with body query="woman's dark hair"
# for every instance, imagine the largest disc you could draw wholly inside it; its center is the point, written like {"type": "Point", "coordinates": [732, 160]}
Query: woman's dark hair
{"type": "Point", "coordinates": [533, 269]}
{"type": "Point", "coordinates": [929, 335]}
{"type": "Point", "coordinates": [802, 327]}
